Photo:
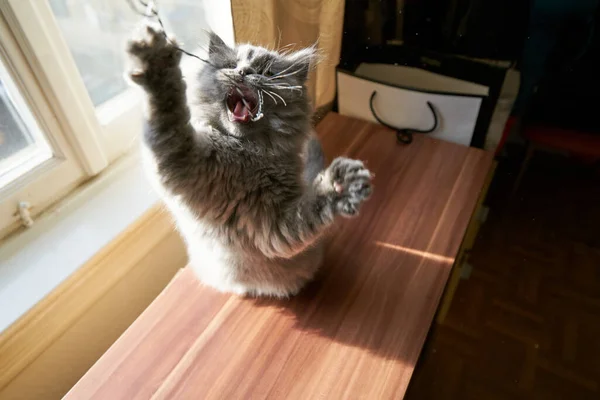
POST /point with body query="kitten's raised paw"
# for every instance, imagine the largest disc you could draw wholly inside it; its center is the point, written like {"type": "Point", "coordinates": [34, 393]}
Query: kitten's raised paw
{"type": "Point", "coordinates": [151, 53]}
{"type": "Point", "coordinates": [351, 183]}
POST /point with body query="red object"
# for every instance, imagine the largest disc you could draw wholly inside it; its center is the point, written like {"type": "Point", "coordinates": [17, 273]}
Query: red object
{"type": "Point", "coordinates": [582, 144]}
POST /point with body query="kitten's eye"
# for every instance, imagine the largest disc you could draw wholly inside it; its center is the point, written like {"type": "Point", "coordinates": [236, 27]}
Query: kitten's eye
{"type": "Point", "coordinates": [268, 72]}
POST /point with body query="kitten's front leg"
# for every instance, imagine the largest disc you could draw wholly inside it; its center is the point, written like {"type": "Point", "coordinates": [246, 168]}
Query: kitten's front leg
{"type": "Point", "coordinates": [168, 132]}
{"type": "Point", "coordinates": [341, 189]}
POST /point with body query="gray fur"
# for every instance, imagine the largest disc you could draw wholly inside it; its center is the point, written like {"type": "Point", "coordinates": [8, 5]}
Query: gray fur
{"type": "Point", "coordinates": [251, 200]}
{"type": "Point", "coordinates": [315, 160]}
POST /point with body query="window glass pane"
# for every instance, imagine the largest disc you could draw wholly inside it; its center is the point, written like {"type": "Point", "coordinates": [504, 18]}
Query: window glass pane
{"type": "Point", "coordinates": [22, 145]}
{"type": "Point", "coordinates": [96, 31]}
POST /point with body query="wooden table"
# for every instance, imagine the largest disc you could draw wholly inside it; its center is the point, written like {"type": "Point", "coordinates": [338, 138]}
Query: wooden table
{"type": "Point", "coordinates": [356, 332]}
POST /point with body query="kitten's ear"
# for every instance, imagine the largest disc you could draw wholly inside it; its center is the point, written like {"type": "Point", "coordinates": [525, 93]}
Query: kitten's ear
{"type": "Point", "coordinates": [216, 45]}
{"type": "Point", "coordinates": [303, 60]}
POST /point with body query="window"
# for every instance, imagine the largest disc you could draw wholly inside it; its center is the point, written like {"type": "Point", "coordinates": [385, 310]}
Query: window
{"type": "Point", "coordinates": [22, 144]}
{"type": "Point", "coordinates": [66, 112]}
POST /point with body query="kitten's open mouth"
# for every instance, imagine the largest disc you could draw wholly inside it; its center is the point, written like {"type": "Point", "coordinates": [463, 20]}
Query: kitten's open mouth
{"type": "Point", "coordinates": [242, 104]}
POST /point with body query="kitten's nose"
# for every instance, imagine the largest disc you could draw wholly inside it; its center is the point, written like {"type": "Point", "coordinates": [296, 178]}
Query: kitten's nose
{"type": "Point", "coordinates": [241, 72]}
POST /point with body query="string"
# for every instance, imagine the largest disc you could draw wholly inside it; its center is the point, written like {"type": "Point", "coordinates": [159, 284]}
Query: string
{"type": "Point", "coordinates": [152, 12]}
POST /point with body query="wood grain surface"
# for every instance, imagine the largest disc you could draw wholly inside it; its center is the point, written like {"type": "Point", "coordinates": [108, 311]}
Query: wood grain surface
{"type": "Point", "coordinates": [356, 332]}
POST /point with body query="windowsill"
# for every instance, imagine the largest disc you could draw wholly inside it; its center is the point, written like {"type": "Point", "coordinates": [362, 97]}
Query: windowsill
{"type": "Point", "coordinates": [37, 260]}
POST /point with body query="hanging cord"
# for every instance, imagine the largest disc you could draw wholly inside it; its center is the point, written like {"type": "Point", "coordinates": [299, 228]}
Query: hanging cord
{"type": "Point", "coordinates": [404, 135]}
{"type": "Point", "coordinates": [151, 11]}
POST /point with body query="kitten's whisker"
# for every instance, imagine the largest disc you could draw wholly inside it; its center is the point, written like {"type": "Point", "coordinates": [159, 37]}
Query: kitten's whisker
{"type": "Point", "coordinates": [274, 77]}
{"type": "Point", "coordinates": [285, 87]}
{"type": "Point", "coordinates": [278, 41]}
{"type": "Point", "coordinates": [227, 76]}
{"type": "Point", "coordinates": [259, 114]}
{"type": "Point", "coordinates": [287, 49]}
{"type": "Point", "coordinates": [275, 94]}
{"type": "Point", "coordinates": [244, 101]}
{"type": "Point", "coordinates": [247, 107]}
{"type": "Point", "coordinates": [271, 96]}
{"type": "Point", "coordinates": [287, 69]}
{"type": "Point", "coordinates": [282, 84]}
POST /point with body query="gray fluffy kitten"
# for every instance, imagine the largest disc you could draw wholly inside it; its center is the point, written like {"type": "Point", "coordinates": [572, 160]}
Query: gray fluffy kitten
{"type": "Point", "coordinates": [249, 194]}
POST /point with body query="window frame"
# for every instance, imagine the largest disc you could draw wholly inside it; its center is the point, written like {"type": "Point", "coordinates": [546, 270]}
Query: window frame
{"type": "Point", "coordinates": [49, 180]}
{"type": "Point", "coordinates": [42, 67]}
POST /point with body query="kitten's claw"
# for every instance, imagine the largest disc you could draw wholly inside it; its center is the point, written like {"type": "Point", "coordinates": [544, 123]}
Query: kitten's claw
{"type": "Point", "coordinates": [351, 183]}
{"type": "Point", "coordinates": [151, 53]}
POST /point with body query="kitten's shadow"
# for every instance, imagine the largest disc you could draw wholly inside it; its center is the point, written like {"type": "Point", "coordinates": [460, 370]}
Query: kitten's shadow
{"type": "Point", "coordinates": [343, 307]}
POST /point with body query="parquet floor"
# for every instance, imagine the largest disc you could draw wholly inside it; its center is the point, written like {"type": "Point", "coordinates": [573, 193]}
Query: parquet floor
{"type": "Point", "coordinates": [526, 323]}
